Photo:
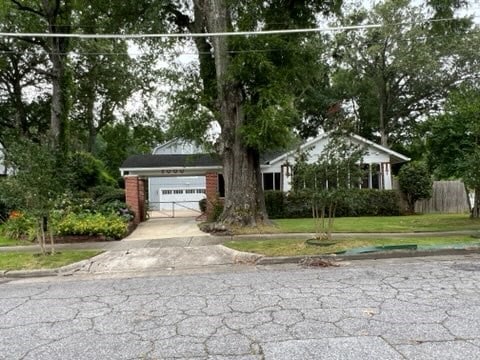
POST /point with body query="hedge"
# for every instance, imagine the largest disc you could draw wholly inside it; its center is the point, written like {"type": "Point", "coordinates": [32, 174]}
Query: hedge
{"type": "Point", "coordinates": [111, 226]}
{"type": "Point", "coordinates": [356, 202]}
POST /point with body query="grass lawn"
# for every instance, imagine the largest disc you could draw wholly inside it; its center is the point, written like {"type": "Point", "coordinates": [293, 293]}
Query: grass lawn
{"type": "Point", "coordinates": [289, 247]}
{"type": "Point", "coordinates": [427, 222]}
{"type": "Point", "coordinates": [30, 261]}
{"type": "Point", "coordinates": [10, 242]}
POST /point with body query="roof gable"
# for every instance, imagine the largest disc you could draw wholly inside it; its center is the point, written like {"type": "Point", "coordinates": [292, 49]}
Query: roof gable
{"type": "Point", "coordinates": [177, 147]}
{"type": "Point", "coordinates": [395, 157]}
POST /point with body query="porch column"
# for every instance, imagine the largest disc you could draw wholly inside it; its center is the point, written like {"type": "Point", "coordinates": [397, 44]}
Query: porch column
{"type": "Point", "coordinates": [370, 182]}
{"type": "Point", "coordinates": [285, 177]}
{"type": "Point", "coordinates": [211, 190]}
{"type": "Point", "coordinates": [135, 197]}
{"type": "Point", "coordinates": [387, 176]}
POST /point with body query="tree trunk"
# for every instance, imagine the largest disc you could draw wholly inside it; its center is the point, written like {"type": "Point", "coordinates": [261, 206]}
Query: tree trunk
{"type": "Point", "coordinates": [382, 130]}
{"type": "Point", "coordinates": [56, 123]}
{"type": "Point", "coordinates": [244, 199]}
{"type": "Point", "coordinates": [19, 105]}
{"type": "Point", "coordinates": [476, 204]}
{"type": "Point", "coordinates": [90, 120]}
{"type": "Point", "coordinates": [58, 18]}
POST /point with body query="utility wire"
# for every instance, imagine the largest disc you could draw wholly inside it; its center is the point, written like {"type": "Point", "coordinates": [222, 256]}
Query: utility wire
{"type": "Point", "coordinates": [201, 35]}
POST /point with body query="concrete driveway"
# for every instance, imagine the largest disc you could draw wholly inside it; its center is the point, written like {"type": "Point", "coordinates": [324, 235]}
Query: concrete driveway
{"type": "Point", "coordinates": [166, 228]}
{"type": "Point", "coordinates": [164, 244]}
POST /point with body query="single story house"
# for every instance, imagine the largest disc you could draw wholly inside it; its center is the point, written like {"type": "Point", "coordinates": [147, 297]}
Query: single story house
{"type": "Point", "coordinates": [184, 173]}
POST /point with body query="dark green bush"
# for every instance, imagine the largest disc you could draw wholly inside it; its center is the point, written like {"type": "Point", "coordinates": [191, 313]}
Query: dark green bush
{"type": "Point", "coordinates": [106, 194]}
{"type": "Point", "coordinates": [202, 204]}
{"type": "Point", "coordinates": [217, 211]}
{"type": "Point", "coordinates": [274, 201]}
{"type": "Point", "coordinates": [4, 211]}
{"type": "Point", "coordinates": [353, 202]}
{"type": "Point", "coordinates": [85, 172]}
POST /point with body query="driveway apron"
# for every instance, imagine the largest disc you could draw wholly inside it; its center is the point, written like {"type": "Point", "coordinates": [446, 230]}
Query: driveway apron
{"type": "Point", "coordinates": [159, 244]}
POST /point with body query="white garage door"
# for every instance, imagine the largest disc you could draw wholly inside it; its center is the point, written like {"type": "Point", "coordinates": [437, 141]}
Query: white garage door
{"type": "Point", "coordinates": [184, 191]}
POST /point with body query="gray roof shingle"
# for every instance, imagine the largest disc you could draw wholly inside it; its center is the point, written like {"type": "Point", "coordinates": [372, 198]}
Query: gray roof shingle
{"type": "Point", "coordinates": [170, 160]}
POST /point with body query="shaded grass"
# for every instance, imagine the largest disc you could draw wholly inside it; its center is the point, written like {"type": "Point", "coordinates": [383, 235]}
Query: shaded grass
{"type": "Point", "coordinates": [412, 223]}
{"type": "Point", "coordinates": [30, 261]}
{"type": "Point", "coordinates": [293, 247]}
{"type": "Point", "coordinates": [11, 242]}
{"type": "Point", "coordinates": [7, 242]}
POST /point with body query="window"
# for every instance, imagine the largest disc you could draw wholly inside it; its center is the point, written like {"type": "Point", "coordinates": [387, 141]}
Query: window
{"type": "Point", "coordinates": [221, 186]}
{"type": "Point", "coordinates": [190, 191]}
{"type": "Point", "coordinates": [200, 191]}
{"type": "Point", "coordinates": [166, 192]}
{"type": "Point", "coordinates": [271, 181]}
{"type": "Point", "coordinates": [178, 191]}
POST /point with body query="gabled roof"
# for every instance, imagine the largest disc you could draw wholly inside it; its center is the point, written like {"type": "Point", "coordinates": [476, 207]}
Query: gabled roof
{"type": "Point", "coordinates": [394, 156]}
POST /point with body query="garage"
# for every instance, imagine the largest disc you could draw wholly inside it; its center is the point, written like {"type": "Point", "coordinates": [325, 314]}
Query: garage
{"type": "Point", "coordinates": [183, 191]}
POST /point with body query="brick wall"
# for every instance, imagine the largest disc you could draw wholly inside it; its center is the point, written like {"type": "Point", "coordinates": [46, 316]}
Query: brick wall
{"type": "Point", "coordinates": [135, 196]}
{"type": "Point", "coordinates": [211, 190]}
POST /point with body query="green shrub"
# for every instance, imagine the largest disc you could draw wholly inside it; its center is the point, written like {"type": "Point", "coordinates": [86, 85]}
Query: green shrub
{"type": "Point", "coordinates": [19, 226]}
{"type": "Point", "coordinates": [76, 204]}
{"type": "Point", "coordinates": [217, 211]}
{"type": "Point", "coordinates": [274, 202]}
{"type": "Point", "coordinates": [116, 207]}
{"type": "Point", "coordinates": [4, 211]}
{"type": "Point", "coordinates": [111, 226]}
{"type": "Point", "coordinates": [202, 204]}
{"type": "Point", "coordinates": [86, 172]}
{"type": "Point", "coordinates": [353, 202]}
{"type": "Point", "coordinates": [415, 182]}
{"type": "Point", "coordinates": [104, 194]}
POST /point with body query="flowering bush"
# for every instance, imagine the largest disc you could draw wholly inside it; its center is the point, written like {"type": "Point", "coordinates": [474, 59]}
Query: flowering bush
{"type": "Point", "coordinates": [111, 226]}
{"type": "Point", "coordinates": [19, 226]}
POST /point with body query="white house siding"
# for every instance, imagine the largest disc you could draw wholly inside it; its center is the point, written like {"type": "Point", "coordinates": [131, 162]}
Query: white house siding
{"type": "Point", "coordinates": [187, 191]}
{"type": "Point", "coordinates": [373, 158]}
{"type": "Point", "coordinates": [177, 147]}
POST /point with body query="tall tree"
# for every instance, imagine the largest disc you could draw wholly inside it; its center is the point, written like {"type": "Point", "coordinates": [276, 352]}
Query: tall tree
{"type": "Point", "coordinates": [258, 81]}
{"type": "Point", "coordinates": [53, 17]}
{"type": "Point", "coordinates": [453, 141]}
{"type": "Point", "coordinates": [395, 74]}
{"type": "Point", "coordinates": [23, 100]}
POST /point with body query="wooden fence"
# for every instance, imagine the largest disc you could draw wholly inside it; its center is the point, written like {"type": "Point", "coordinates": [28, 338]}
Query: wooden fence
{"type": "Point", "coordinates": [447, 197]}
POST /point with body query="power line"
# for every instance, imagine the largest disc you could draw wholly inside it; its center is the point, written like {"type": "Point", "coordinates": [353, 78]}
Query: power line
{"type": "Point", "coordinates": [221, 34]}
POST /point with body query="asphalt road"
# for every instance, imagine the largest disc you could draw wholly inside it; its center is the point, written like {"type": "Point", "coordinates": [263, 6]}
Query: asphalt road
{"type": "Point", "coordinates": [389, 309]}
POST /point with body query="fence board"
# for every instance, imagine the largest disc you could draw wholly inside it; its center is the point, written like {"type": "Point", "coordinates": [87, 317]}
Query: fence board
{"type": "Point", "coordinates": [447, 197]}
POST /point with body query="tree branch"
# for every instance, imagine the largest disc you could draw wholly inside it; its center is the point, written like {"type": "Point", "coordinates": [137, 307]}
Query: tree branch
{"type": "Point", "coordinates": [23, 7]}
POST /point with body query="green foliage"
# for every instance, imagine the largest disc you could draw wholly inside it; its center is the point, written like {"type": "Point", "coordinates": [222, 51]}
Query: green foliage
{"type": "Point", "coordinates": [396, 74]}
{"type": "Point", "coordinates": [453, 141]}
{"type": "Point", "coordinates": [111, 226]}
{"type": "Point", "coordinates": [327, 180]}
{"type": "Point", "coordinates": [117, 141]}
{"type": "Point", "coordinates": [103, 194]}
{"type": "Point", "coordinates": [202, 204]}
{"type": "Point", "coordinates": [19, 227]}
{"type": "Point", "coordinates": [216, 212]}
{"type": "Point", "coordinates": [415, 182]}
{"type": "Point", "coordinates": [4, 210]}
{"type": "Point", "coordinates": [85, 172]}
{"type": "Point", "coordinates": [275, 204]}
{"type": "Point", "coordinates": [353, 202]}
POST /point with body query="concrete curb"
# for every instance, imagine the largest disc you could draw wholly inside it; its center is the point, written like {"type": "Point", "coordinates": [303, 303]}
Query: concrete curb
{"type": "Point", "coordinates": [240, 257]}
{"type": "Point", "coordinates": [66, 270]}
{"type": "Point", "coordinates": [266, 260]}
